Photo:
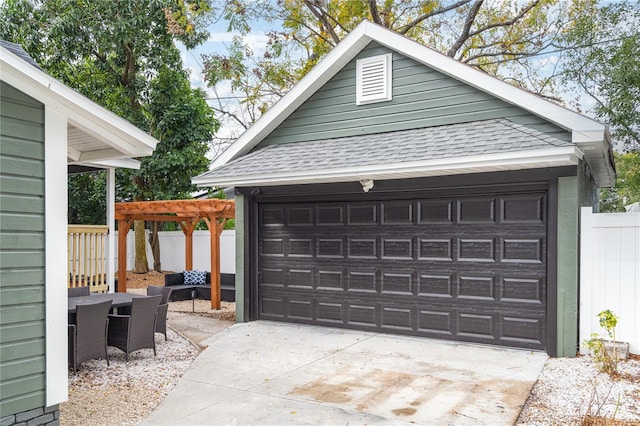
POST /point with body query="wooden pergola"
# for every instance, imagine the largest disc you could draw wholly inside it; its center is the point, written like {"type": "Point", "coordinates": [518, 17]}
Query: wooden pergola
{"type": "Point", "coordinates": [187, 213]}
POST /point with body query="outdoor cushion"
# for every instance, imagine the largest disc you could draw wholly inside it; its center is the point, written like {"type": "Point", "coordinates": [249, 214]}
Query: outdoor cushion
{"type": "Point", "coordinates": [195, 277]}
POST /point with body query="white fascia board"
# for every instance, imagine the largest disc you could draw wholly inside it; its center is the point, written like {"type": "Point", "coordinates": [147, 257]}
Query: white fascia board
{"type": "Point", "coordinates": [99, 155]}
{"type": "Point", "coordinates": [335, 60]}
{"type": "Point", "coordinates": [553, 157]}
{"type": "Point", "coordinates": [117, 163]}
{"type": "Point", "coordinates": [80, 110]}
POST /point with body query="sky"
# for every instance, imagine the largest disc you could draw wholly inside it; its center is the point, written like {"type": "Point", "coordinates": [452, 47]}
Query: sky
{"type": "Point", "coordinates": [219, 39]}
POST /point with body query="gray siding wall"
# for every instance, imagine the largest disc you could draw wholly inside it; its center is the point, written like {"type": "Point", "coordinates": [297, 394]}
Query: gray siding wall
{"type": "Point", "coordinates": [422, 97]}
{"type": "Point", "coordinates": [22, 247]}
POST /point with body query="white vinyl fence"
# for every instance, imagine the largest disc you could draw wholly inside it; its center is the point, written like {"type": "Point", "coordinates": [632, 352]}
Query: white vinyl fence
{"type": "Point", "coordinates": [610, 273]}
{"type": "Point", "coordinates": [172, 251]}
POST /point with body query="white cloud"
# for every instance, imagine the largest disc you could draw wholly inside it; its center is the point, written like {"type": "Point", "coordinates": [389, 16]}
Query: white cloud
{"type": "Point", "coordinates": [256, 41]}
{"type": "Point", "coordinates": [195, 76]}
{"type": "Point", "coordinates": [220, 37]}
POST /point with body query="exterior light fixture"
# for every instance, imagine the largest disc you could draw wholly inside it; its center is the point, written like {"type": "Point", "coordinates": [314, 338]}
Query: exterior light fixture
{"type": "Point", "coordinates": [367, 184]}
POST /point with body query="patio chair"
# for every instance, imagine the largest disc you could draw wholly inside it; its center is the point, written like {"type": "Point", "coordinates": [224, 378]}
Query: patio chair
{"type": "Point", "coordinates": [88, 335]}
{"type": "Point", "coordinates": [130, 333]}
{"type": "Point", "coordinates": [161, 321]}
{"type": "Point", "coordinates": [78, 291]}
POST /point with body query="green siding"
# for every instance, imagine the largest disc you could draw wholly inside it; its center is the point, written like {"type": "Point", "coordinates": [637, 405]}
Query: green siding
{"type": "Point", "coordinates": [22, 249]}
{"type": "Point", "coordinates": [573, 193]}
{"type": "Point", "coordinates": [241, 229]}
{"type": "Point", "coordinates": [422, 97]}
{"type": "Point", "coordinates": [568, 267]}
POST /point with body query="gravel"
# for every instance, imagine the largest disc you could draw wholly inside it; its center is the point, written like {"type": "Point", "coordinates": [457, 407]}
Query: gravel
{"type": "Point", "coordinates": [571, 390]}
{"type": "Point", "coordinates": [124, 393]}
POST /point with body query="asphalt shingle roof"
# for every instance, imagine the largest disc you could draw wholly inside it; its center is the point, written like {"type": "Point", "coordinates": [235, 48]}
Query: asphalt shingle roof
{"type": "Point", "coordinates": [17, 50]}
{"type": "Point", "coordinates": [450, 141]}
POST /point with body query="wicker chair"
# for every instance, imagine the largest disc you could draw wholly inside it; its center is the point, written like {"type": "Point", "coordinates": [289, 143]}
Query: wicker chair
{"type": "Point", "coordinates": [161, 321]}
{"type": "Point", "coordinates": [130, 333]}
{"type": "Point", "coordinates": [88, 336]}
{"type": "Point", "coordinates": [78, 291]}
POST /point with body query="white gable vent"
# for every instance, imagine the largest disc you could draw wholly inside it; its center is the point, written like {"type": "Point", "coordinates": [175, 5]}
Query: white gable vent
{"type": "Point", "coordinates": [373, 79]}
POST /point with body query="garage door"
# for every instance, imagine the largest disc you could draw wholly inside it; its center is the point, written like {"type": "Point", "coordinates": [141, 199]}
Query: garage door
{"type": "Point", "coordinates": [469, 268]}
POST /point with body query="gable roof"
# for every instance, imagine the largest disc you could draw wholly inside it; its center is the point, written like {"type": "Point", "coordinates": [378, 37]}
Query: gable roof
{"type": "Point", "coordinates": [589, 135]}
{"type": "Point", "coordinates": [96, 137]}
{"type": "Point", "coordinates": [397, 155]}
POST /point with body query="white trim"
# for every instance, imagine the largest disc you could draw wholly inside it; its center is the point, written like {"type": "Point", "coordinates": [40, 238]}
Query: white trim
{"type": "Point", "coordinates": [121, 163]}
{"type": "Point", "coordinates": [583, 129]}
{"type": "Point", "coordinates": [111, 223]}
{"type": "Point", "coordinates": [552, 157]}
{"type": "Point", "coordinates": [55, 165]}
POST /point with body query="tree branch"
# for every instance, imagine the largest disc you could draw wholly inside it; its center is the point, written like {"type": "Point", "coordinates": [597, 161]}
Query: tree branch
{"type": "Point", "coordinates": [231, 115]}
{"type": "Point", "coordinates": [316, 9]}
{"type": "Point", "coordinates": [407, 27]}
{"type": "Point", "coordinates": [508, 23]}
{"type": "Point", "coordinates": [103, 60]}
{"type": "Point", "coordinates": [630, 130]}
{"type": "Point", "coordinates": [464, 36]}
{"type": "Point", "coordinates": [312, 31]}
{"type": "Point", "coordinates": [373, 9]}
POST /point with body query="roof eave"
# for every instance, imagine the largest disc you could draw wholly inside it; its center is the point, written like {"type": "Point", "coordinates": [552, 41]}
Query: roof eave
{"type": "Point", "coordinates": [80, 111]}
{"type": "Point", "coordinates": [553, 157]}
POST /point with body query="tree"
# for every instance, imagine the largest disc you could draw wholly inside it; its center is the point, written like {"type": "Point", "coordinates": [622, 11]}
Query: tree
{"type": "Point", "coordinates": [605, 64]}
{"type": "Point", "coordinates": [122, 55]}
{"type": "Point", "coordinates": [627, 187]}
{"type": "Point", "coordinates": [87, 201]}
{"type": "Point", "coordinates": [184, 124]}
{"type": "Point", "coordinates": [502, 38]}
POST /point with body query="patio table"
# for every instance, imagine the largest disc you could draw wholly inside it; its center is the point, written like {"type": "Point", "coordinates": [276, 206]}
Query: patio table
{"type": "Point", "coordinates": [118, 300]}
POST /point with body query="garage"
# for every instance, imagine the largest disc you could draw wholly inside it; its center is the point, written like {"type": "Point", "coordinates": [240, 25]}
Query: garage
{"type": "Point", "coordinates": [468, 267]}
{"type": "Point", "coordinates": [397, 190]}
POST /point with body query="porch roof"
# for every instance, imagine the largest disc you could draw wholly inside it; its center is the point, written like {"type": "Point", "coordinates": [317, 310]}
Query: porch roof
{"type": "Point", "coordinates": [96, 137]}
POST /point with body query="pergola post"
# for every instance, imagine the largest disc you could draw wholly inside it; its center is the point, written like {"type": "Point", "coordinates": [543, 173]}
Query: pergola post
{"type": "Point", "coordinates": [215, 230]}
{"type": "Point", "coordinates": [123, 230]}
{"type": "Point", "coordinates": [187, 229]}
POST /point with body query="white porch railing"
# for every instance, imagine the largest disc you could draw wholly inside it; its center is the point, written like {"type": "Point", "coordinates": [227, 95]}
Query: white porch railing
{"type": "Point", "coordinates": [87, 256]}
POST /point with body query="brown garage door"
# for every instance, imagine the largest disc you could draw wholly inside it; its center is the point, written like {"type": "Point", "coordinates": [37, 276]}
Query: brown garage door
{"type": "Point", "coordinates": [468, 268]}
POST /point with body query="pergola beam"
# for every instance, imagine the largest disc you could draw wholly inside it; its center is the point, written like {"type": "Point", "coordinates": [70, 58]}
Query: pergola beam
{"type": "Point", "coordinates": [187, 213]}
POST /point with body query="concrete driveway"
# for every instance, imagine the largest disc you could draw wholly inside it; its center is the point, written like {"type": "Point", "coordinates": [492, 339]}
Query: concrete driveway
{"type": "Point", "coordinates": [262, 373]}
